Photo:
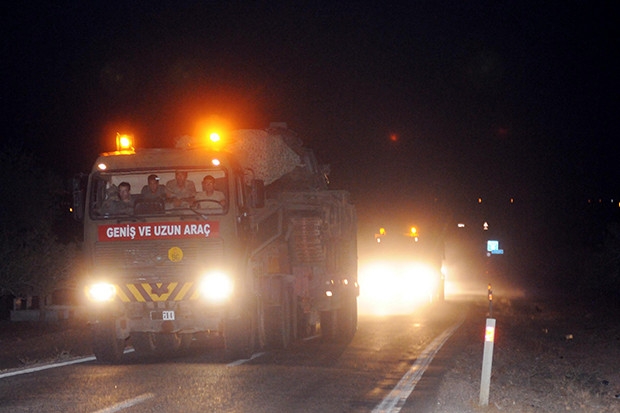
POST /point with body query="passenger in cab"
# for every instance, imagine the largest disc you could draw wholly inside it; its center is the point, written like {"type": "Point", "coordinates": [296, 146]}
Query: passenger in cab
{"type": "Point", "coordinates": [179, 191]}
{"type": "Point", "coordinates": [119, 202]}
{"type": "Point", "coordinates": [209, 193]}
{"type": "Point", "coordinates": [124, 193]}
{"type": "Point", "coordinates": [153, 190]}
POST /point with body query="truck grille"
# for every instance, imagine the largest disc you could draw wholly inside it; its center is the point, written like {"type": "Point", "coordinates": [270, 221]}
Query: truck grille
{"type": "Point", "coordinates": [154, 292]}
{"type": "Point", "coordinates": [155, 261]}
{"type": "Point", "coordinates": [156, 271]}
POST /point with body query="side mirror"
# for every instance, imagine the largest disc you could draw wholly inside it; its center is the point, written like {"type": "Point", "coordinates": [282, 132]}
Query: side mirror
{"type": "Point", "coordinates": [325, 170]}
{"type": "Point", "coordinates": [257, 195]}
{"type": "Point", "coordinates": [79, 191]}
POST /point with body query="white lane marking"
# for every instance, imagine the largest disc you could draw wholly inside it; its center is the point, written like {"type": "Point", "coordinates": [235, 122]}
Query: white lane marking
{"type": "Point", "coordinates": [241, 361]}
{"type": "Point", "coordinates": [394, 401]}
{"type": "Point", "coordinates": [45, 367]}
{"type": "Point", "coordinates": [127, 403]}
{"type": "Point", "coordinates": [53, 365]}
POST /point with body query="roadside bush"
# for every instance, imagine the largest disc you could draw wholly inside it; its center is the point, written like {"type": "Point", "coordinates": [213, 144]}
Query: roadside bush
{"type": "Point", "coordinates": [32, 260]}
{"type": "Point", "coordinates": [602, 266]}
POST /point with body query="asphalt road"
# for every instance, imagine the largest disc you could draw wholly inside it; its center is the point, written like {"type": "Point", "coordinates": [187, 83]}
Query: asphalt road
{"type": "Point", "coordinates": [367, 374]}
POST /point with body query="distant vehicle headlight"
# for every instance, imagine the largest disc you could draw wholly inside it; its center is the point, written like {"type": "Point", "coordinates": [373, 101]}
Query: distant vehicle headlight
{"type": "Point", "coordinates": [101, 292]}
{"type": "Point", "coordinates": [216, 287]}
{"type": "Point", "coordinates": [397, 286]}
{"type": "Point", "coordinates": [421, 279]}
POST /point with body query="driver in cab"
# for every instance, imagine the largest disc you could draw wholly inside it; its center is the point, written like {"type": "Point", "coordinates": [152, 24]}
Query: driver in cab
{"type": "Point", "coordinates": [209, 193]}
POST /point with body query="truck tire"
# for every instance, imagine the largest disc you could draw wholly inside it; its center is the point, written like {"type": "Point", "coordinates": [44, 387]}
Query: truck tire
{"type": "Point", "coordinates": [143, 343]}
{"type": "Point", "coordinates": [186, 341]}
{"type": "Point", "coordinates": [166, 343]}
{"type": "Point", "coordinates": [328, 326]}
{"type": "Point", "coordinates": [106, 346]}
{"type": "Point", "coordinates": [279, 322]}
{"type": "Point", "coordinates": [338, 326]}
{"type": "Point", "coordinates": [238, 338]}
{"type": "Point", "coordinates": [347, 319]}
{"type": "Point", "coordinates": [305, 328]}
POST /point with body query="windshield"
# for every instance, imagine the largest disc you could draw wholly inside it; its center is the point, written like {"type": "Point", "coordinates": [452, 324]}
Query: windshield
{"type": "Point", "coordinates": [162, 192]}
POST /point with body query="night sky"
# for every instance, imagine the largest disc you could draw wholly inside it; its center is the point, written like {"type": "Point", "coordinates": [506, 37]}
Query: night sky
{"type": "Point", "coordinates": [408, 102]}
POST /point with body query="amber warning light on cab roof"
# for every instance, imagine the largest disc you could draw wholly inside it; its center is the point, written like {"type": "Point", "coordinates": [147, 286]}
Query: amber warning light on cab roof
{"type": "Point", "coordinates": [214, 137]}
{"type": "Point", "coordinates": [124, 142]}
{"type": "Point", "coordinates": [210, 139]}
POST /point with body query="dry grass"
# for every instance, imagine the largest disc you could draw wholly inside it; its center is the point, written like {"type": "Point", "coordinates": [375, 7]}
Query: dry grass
{"type": "Point", "coordinates": [26, 343]}
{"type": "Point", "coordinates": [548, 357]}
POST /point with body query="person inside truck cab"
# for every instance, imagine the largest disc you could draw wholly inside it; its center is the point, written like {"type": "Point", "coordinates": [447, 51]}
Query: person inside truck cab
{"type": "Point", "coordinates": [209, 193]}
{"type": "Point", "coordinates": [153, 190]}
{"type": "Point", "coordinates": [119, 202]}
{"type": "Point", "coordinates": [179, 191]}
{"type": "Point", "coordinates": [124, 193]}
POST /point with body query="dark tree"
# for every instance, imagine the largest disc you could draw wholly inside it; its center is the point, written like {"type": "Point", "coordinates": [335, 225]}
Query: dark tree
{"type": "Point", "coordinates": [32, 260]}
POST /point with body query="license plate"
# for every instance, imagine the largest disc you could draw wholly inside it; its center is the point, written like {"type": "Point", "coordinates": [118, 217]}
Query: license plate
{"type": "Point", "coordinates": [162, 315]}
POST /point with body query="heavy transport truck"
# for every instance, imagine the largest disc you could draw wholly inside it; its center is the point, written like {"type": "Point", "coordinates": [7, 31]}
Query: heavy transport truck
{"type": "Point", "coordinates": [270, 260]}
{"type": "Point", "coordinates": [407, 264]}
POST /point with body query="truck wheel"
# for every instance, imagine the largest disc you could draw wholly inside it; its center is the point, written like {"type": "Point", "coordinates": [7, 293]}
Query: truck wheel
{"type": "Point", "coordinates": [238, 340]}
{"type": "Point", "coordinates": [278, 322]}
{"type": "Point", "coordinates": [304, 329]}
{"type": "Point", "coordinates": [166, 343]}
{"type": "Point", "coordinates": [186, 341]}
{"type": "Point", "coordinates": [263, 325]}
{"type": "Point", "coordinates": [328, 326]}
{"type": "Point", "coordinates": [347, 319]}
{"type": "Point", "coordinates": [107, 348]}
{"type": "Point", "coordinates": [143, 343]}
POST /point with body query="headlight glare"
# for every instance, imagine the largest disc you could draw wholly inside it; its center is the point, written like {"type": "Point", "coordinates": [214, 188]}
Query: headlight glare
{"type": "Point", "coordinates": [101, 292]}
{"type": "Point", "coordinates": [216, 287]}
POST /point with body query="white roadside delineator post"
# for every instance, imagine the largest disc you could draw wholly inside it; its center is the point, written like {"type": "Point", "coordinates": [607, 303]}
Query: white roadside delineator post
{"type": "Point", "coordinates": [487, 361]}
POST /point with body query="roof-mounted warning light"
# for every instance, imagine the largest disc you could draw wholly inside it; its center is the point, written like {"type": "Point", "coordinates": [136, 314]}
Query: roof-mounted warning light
{"type": "Point", "coordinates": [124, 143]}
{"type": "Point", "coordinates": [204, 139]}
{"type": "Point", "coordinates": [214, 137]}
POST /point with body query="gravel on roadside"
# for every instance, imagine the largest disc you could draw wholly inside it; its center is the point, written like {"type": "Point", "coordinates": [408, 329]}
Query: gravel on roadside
{"type": "Point", "coordinates": [549, 356]}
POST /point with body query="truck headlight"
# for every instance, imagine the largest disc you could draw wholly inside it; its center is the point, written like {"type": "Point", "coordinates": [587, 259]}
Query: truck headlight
{"type": "Point", "coordinates": [101, 292]}
{"type": "Point", "coordinates": [216, 287]}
